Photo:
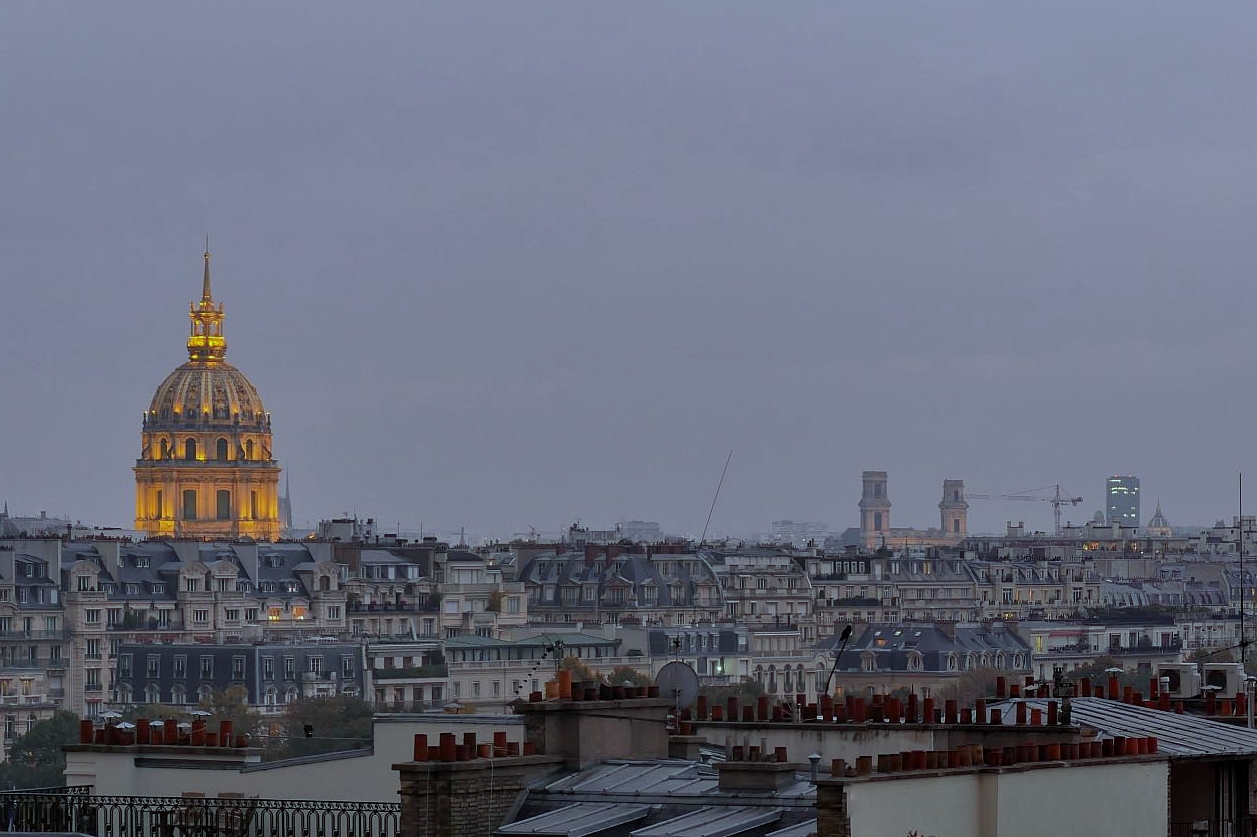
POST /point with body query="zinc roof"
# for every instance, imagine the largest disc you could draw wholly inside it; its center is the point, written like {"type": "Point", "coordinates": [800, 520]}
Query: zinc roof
{"type": "Point", "coordinates": [639, 778]}
{"type": "Point", "coordinates": [1177, 735]}
{"type": "Point", "coordinates": [578, 820]}
{"type": "Point", "coordinates": [807, 828]}
{"type": "Point", "coordinates": [711, 821]}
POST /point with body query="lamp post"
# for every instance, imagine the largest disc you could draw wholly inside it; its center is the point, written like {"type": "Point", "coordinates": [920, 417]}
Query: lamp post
{"type": "Point", "coordinates": [846, 635]}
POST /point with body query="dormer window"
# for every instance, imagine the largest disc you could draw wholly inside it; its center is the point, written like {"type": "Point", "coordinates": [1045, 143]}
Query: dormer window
{"type": "Point", "coordinates": [141, 562]}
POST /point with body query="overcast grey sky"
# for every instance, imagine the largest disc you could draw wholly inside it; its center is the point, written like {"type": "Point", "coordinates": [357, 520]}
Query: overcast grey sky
{"type": "Point", "coordinates": [512, 264]}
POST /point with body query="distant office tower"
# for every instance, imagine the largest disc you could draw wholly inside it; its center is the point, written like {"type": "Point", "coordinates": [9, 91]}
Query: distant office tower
{"type": "Point", "coordinates": [874, 509]}
{"type": "Point", "coordinates": [640, 531]}
{"type": "Point", "coordinates": [953, 510]}
{"type": "Point", "coordinates": [1122, 500]}
{"type": "Point", "coordinates": [798, 533]}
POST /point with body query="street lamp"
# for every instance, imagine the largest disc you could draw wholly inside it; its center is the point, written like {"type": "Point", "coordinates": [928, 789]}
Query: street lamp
{"type": "Point", "coordinates": [846, 635]}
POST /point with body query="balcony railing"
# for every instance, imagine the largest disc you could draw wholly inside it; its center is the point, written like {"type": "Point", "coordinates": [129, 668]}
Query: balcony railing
{"type": "Point", "coordinates": [390, 607]}
{"type": "Point", "coordinates": [27, 635]}
{"type": "Point", "coordinates": [74, 810]}
{"type": "Point", "coordinates": [410, 672]}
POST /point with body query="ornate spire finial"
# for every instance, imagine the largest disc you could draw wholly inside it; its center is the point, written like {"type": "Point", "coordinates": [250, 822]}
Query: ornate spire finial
{"type": "Point", "coordinates": [205, 342]}
{"type": "Point", "coordinates": [206, 296]}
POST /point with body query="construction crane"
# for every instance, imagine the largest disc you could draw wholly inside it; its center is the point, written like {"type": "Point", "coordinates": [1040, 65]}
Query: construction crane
{"type": "Point", "coordinates": [1057, 499]}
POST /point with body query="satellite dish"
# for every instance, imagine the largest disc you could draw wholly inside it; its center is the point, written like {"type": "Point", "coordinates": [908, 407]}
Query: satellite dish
{"type": "Point", "coordinates": [678, 681]}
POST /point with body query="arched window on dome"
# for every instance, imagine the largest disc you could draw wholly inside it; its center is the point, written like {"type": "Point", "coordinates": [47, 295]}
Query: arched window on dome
{"type": "Point", "coordinates": [220, 450]}
{"type": "Point", "coordinates": [248, 449]}
{"type": "Point", "coordinates": [189, 450]}
{"type": "Point", "coordinates": [165, 450]}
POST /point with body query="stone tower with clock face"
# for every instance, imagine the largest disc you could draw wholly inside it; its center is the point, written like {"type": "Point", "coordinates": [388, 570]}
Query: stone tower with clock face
{"type": "Point", "coordinates": [206, 468]}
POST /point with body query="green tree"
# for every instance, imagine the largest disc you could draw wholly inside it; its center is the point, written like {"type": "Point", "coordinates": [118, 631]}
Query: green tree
{"type": "Point", "coordinates": [626, 674]}
{"type": "Point", "coordinates": [154, 712]}
{"type": "Point", "coordinates": [36, 759]}
{"type": "Point", "coordinates": [580, 671]}
{"type": "Point", "coordinates": [232, 704]}
{"type": "Point", "coordinates": [320, 725]}
{"type": "Point", "coordinates": [1098, 671]}
{"type": "Point", "coordinates": [746, 691]}
{"type": "Point", "coordinates": [970, 685]}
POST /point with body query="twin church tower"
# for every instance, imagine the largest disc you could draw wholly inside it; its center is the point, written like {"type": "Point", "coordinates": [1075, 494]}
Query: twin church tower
{"type": "Point", "coordinates": [953, 512]}
{"type": "Point", "coordinates": [206, 469]}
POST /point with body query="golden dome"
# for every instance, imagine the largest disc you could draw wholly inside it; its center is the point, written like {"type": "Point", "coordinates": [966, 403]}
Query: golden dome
{"type": "Point", "coordinates": [214, 392]}
{"type": "Point", "coordinates": [206, 388]}
{"type": "Point", "coordinates": [206, 468]}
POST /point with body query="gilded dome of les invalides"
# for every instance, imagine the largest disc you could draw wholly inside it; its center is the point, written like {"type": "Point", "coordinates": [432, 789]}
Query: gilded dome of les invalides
{"type": "Point", "coordinates": [205, 468]}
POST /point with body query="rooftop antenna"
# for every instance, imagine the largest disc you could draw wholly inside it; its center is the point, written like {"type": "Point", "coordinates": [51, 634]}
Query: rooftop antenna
{"type": "Point", "coordinates": [1243, 583]}
{"type": "Point", "coordinates": [712, 510]}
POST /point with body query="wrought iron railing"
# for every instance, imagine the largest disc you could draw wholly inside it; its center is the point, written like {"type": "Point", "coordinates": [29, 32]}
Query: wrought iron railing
{"type": "Point", "coordinates": [72, 809]}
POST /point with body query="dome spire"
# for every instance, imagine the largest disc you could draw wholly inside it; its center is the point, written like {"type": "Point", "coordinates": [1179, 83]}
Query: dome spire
{"type": "Point", "coordinates": [206, 296]}
{"type": "Point", "coordinates": [206, 343]}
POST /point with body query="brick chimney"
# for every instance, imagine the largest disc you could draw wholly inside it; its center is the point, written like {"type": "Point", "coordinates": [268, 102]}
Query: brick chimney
{"type": "Point", "coordinates": [469, 790]}
{"type": "Point", "coordinates": [464, 798]}
{"type": "Point", "coordinates": [584, 732]}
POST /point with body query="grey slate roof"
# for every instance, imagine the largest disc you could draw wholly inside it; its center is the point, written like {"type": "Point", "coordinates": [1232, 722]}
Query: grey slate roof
{"type": "Point", "coordinates": [893, 645]}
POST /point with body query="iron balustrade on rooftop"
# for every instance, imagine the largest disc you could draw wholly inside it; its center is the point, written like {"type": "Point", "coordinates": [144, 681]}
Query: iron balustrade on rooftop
{"type": "Point", "coordinates": [75, 809]}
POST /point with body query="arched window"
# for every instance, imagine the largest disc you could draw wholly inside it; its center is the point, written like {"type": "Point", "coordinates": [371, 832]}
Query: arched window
{"type": "Point", "coordinates": [290, 696]}
{"type": "Point", "coordinates": [220, 450]}
{"type": "Point", "coordinates": [204, 693]}
{"type": "Point", "coordinates": [271, 697]}
{"type": "Point", "coordinates": [189, 504]}
{"type": "Point", "coordinates": [189, 450]}
{"type": "Point", "coordinates": [152, 693]}
{"type": "Point", "coordinates": [178, 695]}
{"type": "Point", "coordinates": [165, 450]}
{"type": "Point", "coordinates": [248, 449]}
{"type": "Point", "coordinates": [223, 504]}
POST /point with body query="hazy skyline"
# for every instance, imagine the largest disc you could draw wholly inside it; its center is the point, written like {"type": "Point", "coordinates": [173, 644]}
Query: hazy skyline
{"type": "Point", "coordinates": [502, 265]}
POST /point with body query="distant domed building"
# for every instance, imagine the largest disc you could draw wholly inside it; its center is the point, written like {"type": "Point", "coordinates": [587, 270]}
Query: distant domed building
{"type": "Point", "coordinates": [206, 468]}
{"type": "Point", "coordinates": [1158, 526]}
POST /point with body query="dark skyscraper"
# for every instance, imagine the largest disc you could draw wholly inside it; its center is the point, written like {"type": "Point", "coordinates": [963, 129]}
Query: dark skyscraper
{"type": "Point", "coordinates": [1121, 497]}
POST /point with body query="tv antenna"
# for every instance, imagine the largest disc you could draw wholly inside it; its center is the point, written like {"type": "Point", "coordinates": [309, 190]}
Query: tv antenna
{"type": "Point", "coordinates": [703, 539]}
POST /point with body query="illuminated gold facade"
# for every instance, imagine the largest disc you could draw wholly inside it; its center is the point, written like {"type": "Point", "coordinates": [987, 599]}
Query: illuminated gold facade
{"type": "Point", "coordinates": [205, 468]}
